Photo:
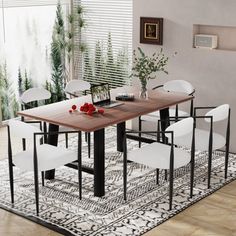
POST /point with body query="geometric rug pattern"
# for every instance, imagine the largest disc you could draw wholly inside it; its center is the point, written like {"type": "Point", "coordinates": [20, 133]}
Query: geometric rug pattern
{"type": "Point", "coordinates": [145, 208]}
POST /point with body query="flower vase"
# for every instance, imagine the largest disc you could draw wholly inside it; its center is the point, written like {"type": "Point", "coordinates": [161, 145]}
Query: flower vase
{"type": "Point", "coordinates": [143, 94]}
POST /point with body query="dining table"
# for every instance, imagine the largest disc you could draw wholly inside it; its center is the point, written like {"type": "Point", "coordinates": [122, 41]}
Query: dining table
{"type": "Point", "coordinates": [57, 114]}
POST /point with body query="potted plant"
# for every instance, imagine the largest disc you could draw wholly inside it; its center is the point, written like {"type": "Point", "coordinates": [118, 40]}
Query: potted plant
{"type": "Point", "coordinates": [145, 67]}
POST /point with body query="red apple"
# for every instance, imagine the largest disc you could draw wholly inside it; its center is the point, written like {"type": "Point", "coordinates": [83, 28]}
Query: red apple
{"type": "Point", "coordinates": [100, 111]}
{"type": "Point", "coordinates": [90, 113]}
{"type": "Point", "coordinates": [74, 107]}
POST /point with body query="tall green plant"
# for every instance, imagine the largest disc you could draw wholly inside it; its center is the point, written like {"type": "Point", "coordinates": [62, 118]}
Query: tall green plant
{"type": "Point", "coordinates": [109, 59]}
{"type": "Point", "coordinates": [57, 70]}
{"type": "Point", "coordinates": [107, 66]}
{"type": "Point", "coordinates": [48, 86]}
{"type": "Point", "coordinates": [27, 82]}
{"type": "Point", "coordinates": [62, 49]}
{"type": "Point", "coordinates": [58, 55]}
{"type": "Point", "coordinates": [9, 105]}
{"type": "Point", "coordinates": [122, 66]}
{"type": "Point", "coordinates": [99, 65]}
{"type": "Point", "coordinates": [88, 71]}
{"type": "Point", "coordinates": [20, 82]}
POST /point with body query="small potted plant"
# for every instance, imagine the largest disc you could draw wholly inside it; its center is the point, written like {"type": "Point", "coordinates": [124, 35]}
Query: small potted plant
{"type": "Point", "coordinates": [145, 67]}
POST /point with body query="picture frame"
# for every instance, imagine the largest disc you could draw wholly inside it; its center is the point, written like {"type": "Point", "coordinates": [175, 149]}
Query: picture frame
{"type": "Point", "coordinates": [151, 30]}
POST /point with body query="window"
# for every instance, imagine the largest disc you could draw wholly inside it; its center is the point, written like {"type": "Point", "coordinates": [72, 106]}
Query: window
{"type": "Point", "coordinates": [25, 52]}
{"type": "Point", "coordinates": [107, 41]}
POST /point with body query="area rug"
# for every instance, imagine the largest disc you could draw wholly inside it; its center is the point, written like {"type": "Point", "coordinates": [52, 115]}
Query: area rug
{"type": "Point", "coordinates": [145, 208]}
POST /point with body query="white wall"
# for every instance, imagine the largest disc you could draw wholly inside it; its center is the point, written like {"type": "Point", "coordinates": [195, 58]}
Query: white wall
{"type": "Point", "coordinates": [212, 72]}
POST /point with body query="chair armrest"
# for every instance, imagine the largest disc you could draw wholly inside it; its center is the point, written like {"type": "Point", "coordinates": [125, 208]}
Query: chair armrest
{"type": "Point", "coordinates": [27, 105]}
{"type": "Point", "coordinates": [151, 132]}
{"type": "Point", "coordinates": [75, 95]}
{"type": "Point", "coordinates": [183, 117]}
{"type": "Point", "coordinates": [32, 121]}
{"type": "Point", "coordinates": [57, 132]}
{"type": "Point", "coordinates": [173, 118]}
{"type": "Point", "coordinates": [147, 132]}
{"type": "Point", "coordinates": [159, 86]}
{"type": "Point", "coordinates": [203, 108]}
{"type": "Point", "coordinates": [72, 94]}
{"type": "Point", "coordinates": [192, 92]}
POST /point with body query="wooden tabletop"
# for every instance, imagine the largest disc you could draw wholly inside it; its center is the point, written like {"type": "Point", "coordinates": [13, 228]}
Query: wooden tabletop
{"type": "Point", "coordinates": [58, 113]}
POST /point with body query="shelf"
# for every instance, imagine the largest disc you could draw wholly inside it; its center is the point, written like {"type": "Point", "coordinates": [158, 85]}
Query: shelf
{"type": "Point", "coordinates": [226, 35]}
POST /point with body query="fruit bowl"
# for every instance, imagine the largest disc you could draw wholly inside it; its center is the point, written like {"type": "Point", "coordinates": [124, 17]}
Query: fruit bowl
{"type": "Point", "coordinates": [89, 109]}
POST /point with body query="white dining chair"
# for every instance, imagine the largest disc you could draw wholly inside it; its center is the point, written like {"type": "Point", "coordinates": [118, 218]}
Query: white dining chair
{"type": "Point", "coordinates": [209, 139]}
{"type": "Point", "coordinates": [76, 86]}
{"type": "Point", "coordinates": [73, 89]}
{"type": "Point", "coordinates": [34, 95]}
{"type": "Point", "coordinates": [41, 157]}
{"type": "Point", "coordinates": [164, 156]}
{"type": "Point", "coordinates": [32, 98]}
{"type": "Point", "coordinates": [181, 86]}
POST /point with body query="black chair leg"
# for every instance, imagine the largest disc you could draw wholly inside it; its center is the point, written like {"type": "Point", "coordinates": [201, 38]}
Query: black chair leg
{"type": "Point", "coordinates": [11, 182]}
{"type": "Point", "coordinates": [192, 178]}
{"type": "Point", "coordinates": [209, 169]}
{"type": "Point", "coordinates": [45, 131]}
{"type": "Point", "coordinates": [10, 166]}
{"type": "Point", "coordinates": [42, 175]}
{"type": "Point", "coordinates": [171, 189]}
{"type": "Point", "coordinates": [23, 144]}
{"type": "Point", "coordinates": [86, 137]}
{"type": "Point", "coordinates": [89, 144]}
{"type": "Point", "coordinates": [66, 136]}
{"type": "Point", "coordinates": [80, 165]}
{"type": "Point", "coordinates": [36, 186]}
{"type": "Point", "coordinates": [158, 134]}
{"type": "Point", "coordinates": [157, 176]}
{"type": "Point", "coordinates": [226, 161]}
{"type": "Point", "coordinates": [166, 174]}
{"type": "Point", "coordinates": [139, 129]}
{"type": "Point", "coordinates": [125, 168]}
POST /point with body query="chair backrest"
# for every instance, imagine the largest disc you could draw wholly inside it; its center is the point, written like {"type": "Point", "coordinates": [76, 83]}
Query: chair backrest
{"type": "Point", "coordinates": [181, 86]}
{"type": "Point", "coordinates": [219, 113]}
{"type": "Point", "coordinates": [22, 130]}
{"type": "Point", "coordinates": [76, 85]}
{"type": "Point", "coordinates": [35, 94]}
{"type": "Point", "coordinates": [180, 129]}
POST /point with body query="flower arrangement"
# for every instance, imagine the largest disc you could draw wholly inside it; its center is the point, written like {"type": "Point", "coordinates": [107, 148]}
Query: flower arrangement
{"type": "Point", "coordinates": [145, 66]}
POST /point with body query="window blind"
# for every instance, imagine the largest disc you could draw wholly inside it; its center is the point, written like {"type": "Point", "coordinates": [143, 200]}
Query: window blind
{"type": "Point", "coordinates": [107, 41]}
{"type": "Point", "coordinates": [30, 3]}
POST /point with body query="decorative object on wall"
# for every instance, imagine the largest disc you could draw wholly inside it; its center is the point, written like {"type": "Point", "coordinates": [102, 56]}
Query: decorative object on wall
{"type": "Point", "coordinates": [220, 37]}
{"type": "Point", "coordinates": [145, 66]}
{"type": "Point", "coordinates": [151, 30]}
{"type": "Point", "coordinates": [205, 41]}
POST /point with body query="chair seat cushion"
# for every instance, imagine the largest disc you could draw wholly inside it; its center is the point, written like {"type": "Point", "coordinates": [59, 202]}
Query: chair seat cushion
{"type": "Point", "coordinates": [157, 155]}
{"type": "Point", "coordinates": [49, 157]}
{"type": "Point", "coordinates": [154, 116]}
{"type": "Point", "coordinates": [202, 140]}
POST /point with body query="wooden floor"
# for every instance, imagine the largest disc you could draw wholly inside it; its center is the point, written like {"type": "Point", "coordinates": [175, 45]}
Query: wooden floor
{"type": "Point", "coordinates": [212, 216]}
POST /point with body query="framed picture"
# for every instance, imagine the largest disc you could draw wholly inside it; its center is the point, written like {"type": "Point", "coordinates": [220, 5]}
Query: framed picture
{"type": "Point", "coordinates": [151, 30]}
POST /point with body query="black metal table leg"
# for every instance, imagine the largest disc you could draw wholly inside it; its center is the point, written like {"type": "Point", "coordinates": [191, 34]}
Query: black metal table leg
{"type": "Point", "coordinates": [164, 115]}
{"type": "Point", "coordinates": [120, 136]}
{"type": "Point", "coordinates": [99, 163]}
{"type": "Point", "coordinates": [53, 140]}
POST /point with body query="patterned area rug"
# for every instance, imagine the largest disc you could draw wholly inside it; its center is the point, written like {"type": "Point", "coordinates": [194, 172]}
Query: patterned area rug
{"type": "Point", "coordinates": [145, 208]}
